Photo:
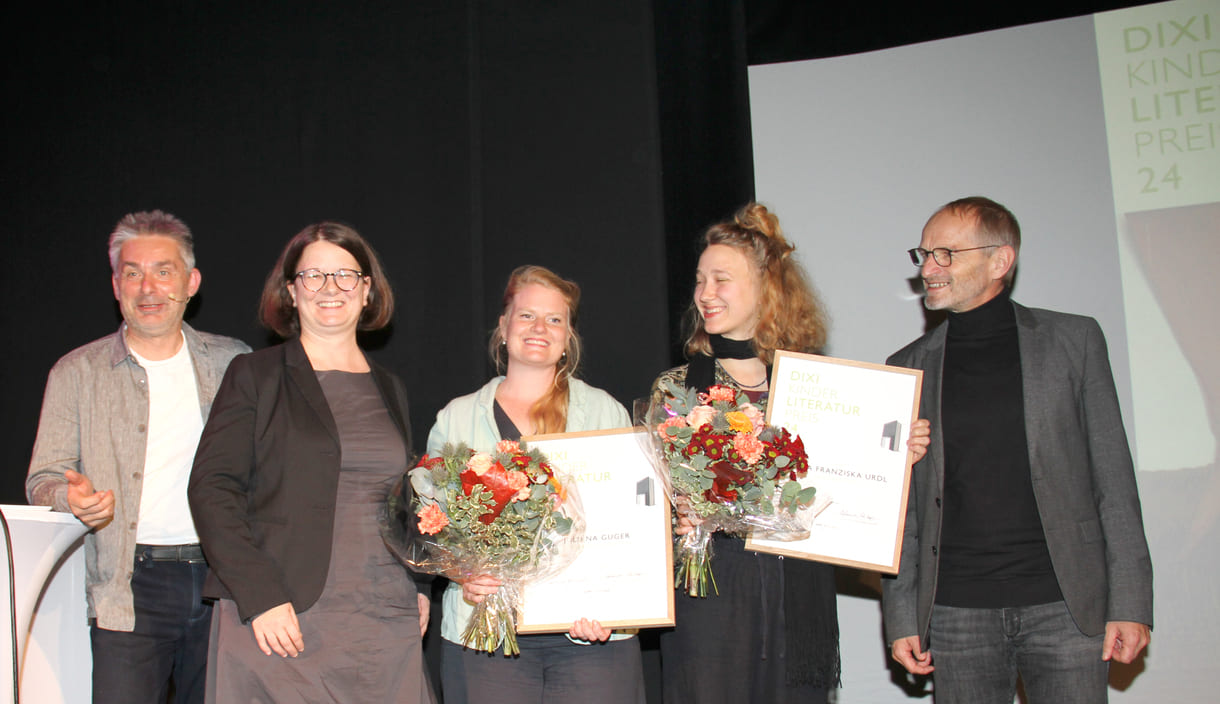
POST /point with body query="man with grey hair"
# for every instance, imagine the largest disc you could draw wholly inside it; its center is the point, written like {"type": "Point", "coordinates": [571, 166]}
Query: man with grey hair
{"type": "Point", "coordinates": [1023, 553]}
{"type": "Point", "coordinates": [121, 418]}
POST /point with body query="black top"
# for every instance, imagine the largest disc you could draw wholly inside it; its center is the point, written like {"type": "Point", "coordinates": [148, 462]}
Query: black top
{"type": "Point", "coordinates": [504, 424]}
{"type": "Point", "coordinates": [993, 549]}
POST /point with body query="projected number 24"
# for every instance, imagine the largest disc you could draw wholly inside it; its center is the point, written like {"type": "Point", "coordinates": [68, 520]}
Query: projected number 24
{"type": "Point", "coordinates": [1151, 181]}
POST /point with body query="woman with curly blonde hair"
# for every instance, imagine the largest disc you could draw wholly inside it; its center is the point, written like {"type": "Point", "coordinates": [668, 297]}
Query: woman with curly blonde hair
{"type": "Point", "coordinates": [788, 314]}
{"type": "Point", "coordinates": [771, 634]}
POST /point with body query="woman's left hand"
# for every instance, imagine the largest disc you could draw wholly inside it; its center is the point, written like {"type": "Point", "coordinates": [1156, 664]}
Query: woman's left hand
{"type": "Point", "coordinates": [687, 518]}
{"type": "Point", "coordinates": [425, 611]}
{"type": "Point", "coordinates": [278, 630]}
{"type": "Point", "coordinates": [585, 629]}
{"type": "Point", "coordinates": [921, 436]}
{"type": "Point", "coordinates": [480, 587]}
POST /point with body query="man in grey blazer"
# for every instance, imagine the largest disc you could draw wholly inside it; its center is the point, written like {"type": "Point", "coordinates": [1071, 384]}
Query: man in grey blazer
{"type": "Point", "coordinates": [1024, 550]}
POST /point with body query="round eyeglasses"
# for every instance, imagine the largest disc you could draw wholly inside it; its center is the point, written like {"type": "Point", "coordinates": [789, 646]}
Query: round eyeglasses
{"type": "Point", "coordinates": [315, 279]}
{"type": "Point", "coordinates": [943, 256]}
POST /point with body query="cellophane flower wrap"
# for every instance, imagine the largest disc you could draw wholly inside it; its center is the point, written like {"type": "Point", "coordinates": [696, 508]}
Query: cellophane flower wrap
{"type": "Point", "coordinates": [503, 513]}
{"type": "Point", "coordinates": [729, 471]}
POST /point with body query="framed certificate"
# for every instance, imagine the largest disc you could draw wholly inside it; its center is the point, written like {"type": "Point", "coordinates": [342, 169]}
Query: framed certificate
{"type": "Point", "coordinates": [854, 419]}
{"type": "Point", "coordinates": [623, 576]}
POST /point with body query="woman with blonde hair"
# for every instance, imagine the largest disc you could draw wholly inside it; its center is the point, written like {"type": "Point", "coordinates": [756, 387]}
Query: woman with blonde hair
{"type": "Point", "coordinates": [536, 347]}
{"type": "Point", "coordinates": [771, 634]}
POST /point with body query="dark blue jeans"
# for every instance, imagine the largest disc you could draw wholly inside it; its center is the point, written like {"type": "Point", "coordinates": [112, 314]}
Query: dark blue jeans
{"type": "Point", "coordinates": [550, 670]}
{"type": "Point", "coordinates": [978, 654]}
{"type": "Point", "coordinates": [170, 640]}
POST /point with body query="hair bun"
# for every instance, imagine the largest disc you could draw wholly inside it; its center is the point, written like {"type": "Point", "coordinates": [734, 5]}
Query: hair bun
{"type": "Point", "coordinates": [755, 216]}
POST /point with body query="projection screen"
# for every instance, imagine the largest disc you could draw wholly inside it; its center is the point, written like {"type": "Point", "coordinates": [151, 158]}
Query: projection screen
{"type": "Point", "coordinates": [1101, 134]}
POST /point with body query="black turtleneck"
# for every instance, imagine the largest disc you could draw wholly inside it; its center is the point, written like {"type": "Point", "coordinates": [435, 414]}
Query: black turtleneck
{"type": "Point", "coordinates": [993, 550]}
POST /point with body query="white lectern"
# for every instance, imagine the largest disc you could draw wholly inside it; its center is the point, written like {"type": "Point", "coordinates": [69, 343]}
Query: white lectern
{"type": "Point", "coordinates": [46, 544]}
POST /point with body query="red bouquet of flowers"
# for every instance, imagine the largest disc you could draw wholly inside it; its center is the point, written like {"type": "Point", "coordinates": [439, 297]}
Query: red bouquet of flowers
{"type": "Point", "coordinates": [502, 513]}
{"type": "Point", "coordinates": [727, 470]}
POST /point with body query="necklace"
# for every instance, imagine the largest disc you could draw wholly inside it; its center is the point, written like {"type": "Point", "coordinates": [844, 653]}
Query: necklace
{"type": "Point", "coordinates": [735, 381]}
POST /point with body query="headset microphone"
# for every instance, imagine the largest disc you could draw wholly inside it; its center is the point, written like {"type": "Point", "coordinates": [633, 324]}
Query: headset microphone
{"type": "Point", "coordinates": [176, 299]}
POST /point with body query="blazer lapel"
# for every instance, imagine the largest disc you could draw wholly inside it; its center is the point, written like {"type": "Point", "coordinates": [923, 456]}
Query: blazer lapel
{"type": "Point", "coordinates": [1035, 351]}
{"type": "Point", "coordinates": [933, 375]}
{"type": "Point", "coordinates": [302, 375]}
{"type": "Point", "coordinates": [395, 405]}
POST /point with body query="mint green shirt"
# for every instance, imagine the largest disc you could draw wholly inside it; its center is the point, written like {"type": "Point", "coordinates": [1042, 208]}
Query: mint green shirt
{"type": "Point", "coordinates": [471, 419]}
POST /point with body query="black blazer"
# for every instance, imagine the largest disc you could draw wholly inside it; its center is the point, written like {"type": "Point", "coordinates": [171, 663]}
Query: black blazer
{"type": "Point", "coordinates": [265, 479]}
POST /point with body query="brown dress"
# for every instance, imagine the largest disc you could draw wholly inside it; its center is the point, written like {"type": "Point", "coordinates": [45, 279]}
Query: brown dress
{"type": "Point", "coordinates": [362, 641]}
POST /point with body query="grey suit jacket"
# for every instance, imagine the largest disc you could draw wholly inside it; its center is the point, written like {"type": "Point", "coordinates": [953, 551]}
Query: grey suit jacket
{"type": "Point", "coordinates": [1081, 470]}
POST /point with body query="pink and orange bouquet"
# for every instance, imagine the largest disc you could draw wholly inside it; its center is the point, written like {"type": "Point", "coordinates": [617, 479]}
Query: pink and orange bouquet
{"type": "Point", "coordinates": [502, 513]}
{"type": "Point", "coordinates": [727, 471]}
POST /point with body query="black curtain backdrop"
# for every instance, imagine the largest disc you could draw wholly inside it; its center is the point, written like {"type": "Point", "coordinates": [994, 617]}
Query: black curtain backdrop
{"type": "Point", "coordinates": [461, 137]}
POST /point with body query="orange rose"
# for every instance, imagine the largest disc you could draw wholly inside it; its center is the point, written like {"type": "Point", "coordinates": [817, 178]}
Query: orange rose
{"type": "Point", "coordinates": [756, 417]}
{"type": "Point", "coordinates": [749, 447]}
{"type": "Point", "coordinates": [432, 520]}
{"type": "Point", "coordinates": [700, 415]}
{"type": "Point", "coordinates": [739, 422]}
{"type": "Point", "coordinates": [480, 463]}
{"type": "Point", "coordinates": [518, 480]}
{"type": "Point", "coordinates": [670, 422]}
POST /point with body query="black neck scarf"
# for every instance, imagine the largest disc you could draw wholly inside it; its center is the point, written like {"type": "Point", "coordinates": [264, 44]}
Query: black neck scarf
{"type": "Point", "coordinates": [701, 372]}
{"type": "Point", "coordinates": [724, 348]}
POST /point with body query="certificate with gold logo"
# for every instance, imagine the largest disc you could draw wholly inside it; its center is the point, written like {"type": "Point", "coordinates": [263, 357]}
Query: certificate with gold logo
{"type": "Point", "coordinates": [623, 576]}
{"type": "Point", "coordinates": [854, 419]}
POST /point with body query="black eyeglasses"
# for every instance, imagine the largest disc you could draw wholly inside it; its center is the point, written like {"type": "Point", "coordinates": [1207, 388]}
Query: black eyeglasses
{"type": "Point", "coordinates": [315, 279]}
{"type": "Point", "coordinates": [943, 256]}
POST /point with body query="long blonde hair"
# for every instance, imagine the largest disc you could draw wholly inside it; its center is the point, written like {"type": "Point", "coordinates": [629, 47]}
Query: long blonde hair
{"type": "Point", "coordinates": [790, 315]}
{"type": "Point", "coordinates": [549, 414]}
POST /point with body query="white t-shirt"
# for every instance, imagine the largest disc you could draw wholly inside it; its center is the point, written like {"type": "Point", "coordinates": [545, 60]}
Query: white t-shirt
{"type": "Point", "coordinates": [174, 426]}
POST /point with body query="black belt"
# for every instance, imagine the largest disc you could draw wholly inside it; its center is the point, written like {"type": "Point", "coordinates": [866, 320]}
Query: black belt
{"type": "Point", "coordinates": [170, 553]}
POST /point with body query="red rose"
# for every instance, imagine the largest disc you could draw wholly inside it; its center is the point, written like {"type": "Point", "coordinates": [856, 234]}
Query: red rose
{"type": "Point", "coordinates": [495, 480]}
{"type": "Point", "coordinates": [727, 478]}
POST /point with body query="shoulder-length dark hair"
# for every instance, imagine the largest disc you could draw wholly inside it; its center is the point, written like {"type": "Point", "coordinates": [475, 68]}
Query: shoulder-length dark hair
{"type": "Point", "coordinates": [790, 315]}
{"type": "Point", "coordinates": [275, 308]}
